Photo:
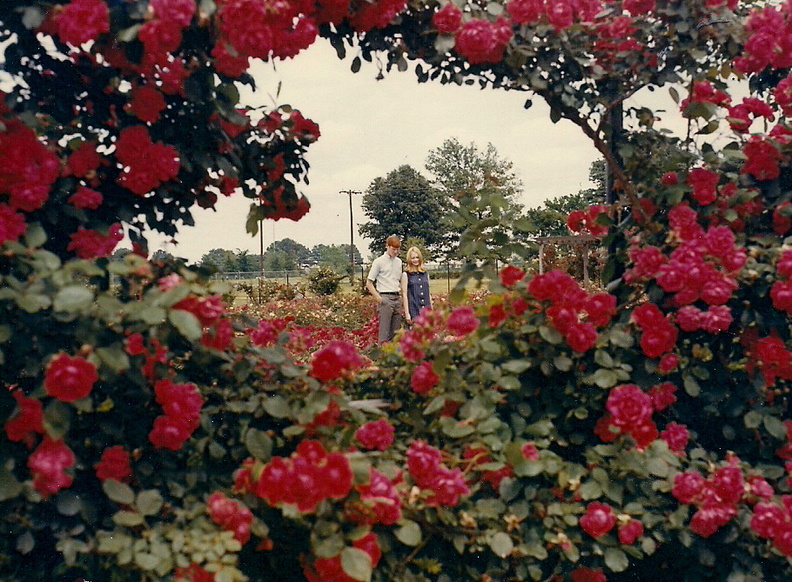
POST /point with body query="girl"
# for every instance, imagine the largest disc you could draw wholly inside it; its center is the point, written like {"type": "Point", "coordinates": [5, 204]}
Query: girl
{"type": "Point", "coordinates": [415, 285]}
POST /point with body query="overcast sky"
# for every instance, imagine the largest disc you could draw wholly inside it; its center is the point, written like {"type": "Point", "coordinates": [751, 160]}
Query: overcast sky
{"type": "Point", "coordinates": [370, 128]}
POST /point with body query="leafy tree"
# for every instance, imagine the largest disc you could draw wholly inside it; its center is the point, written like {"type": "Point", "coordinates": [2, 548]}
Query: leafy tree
{"type": "Point", "coordinates": [483, 223]}
{"type": "Point", "coordinates": [549, 219]}
{"type": "Point", "coordinates": [161, 255]}
{"type": "Point", "coordinates": [291, 253]}
{"type": "Point", "coordinates": [221, 260]}
{"type": "Point", "coordinates": [458, 170]}
{"type": "Point", "coordinates": [403, 203]}
{"type": "Point", "coordinates": [336, 257]}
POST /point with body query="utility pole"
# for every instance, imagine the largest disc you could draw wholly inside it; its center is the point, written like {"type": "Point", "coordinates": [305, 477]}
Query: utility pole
{"type": "Point", "coordinates": [351, 237]}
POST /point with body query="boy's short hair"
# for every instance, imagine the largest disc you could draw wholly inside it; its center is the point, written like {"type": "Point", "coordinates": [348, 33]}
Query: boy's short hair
{"type": "Point", "coordinates": [393, 241]}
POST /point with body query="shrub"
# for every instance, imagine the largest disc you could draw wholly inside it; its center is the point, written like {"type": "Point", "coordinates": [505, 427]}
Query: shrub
{"type": "Point", "coordinates": [323, 281]}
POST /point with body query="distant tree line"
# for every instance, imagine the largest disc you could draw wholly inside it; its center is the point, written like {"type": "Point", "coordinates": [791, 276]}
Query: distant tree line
{"type": "Point", "coordinates": [282, 255]}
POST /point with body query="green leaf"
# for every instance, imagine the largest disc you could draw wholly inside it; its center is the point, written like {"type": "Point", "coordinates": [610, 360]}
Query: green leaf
{"type": "Point", "coordinates": [152, 315]}
{"type": "Point", "coordinates": [501, 544]}
{"type": "Point", "coordinates": [692, 387]}
{"type": "Point", "coordinates": [149, 502]}
{"type": "Point", "coordinates": [187, 324]}
{"type": "Point", "coordinates": [33, 302]}
{"type": "Point", "coordinates": [57, 419]}
{"type": "Point", "coordinates": [409, 533]}
{"type": "Point", "coordinates": [775, 426]}
{"type": "Point", "coordinates": [562, 363]}
{"type": "Point", "coordinates": [616, 559]}
{"type": "Point", "coordinates": [455, 429]}
{"type": "Point", "coordinates": [277, 407]}
{"type": "Point", "coordinates": [516, 366]}
{"type": "Point", "coordinates": [73, 298]}
{"type": "Point", "coordinates": [590, 490]}
{"type": "Point", "coordinates": [550, 335]}
{"type": "Point", "coordinates": [357, 564]}
{"type": "Point", "coordinates": [128, 518]}
{"type": "Point", "coordinates": [35, 235]}
{"type": "Point", "coordinates": [119, 492]}
{"type": "Point", "coordinates": [68, 503]}
{"type": "Point", "coordinates": [259, 444]}
{"type": "Point", "coordinates": [114, 357]}
{"type": "Point", "coordinates": [129, 34]}
{"type": "Point", "coordinates": [146, 561]}
{"type": "Point", "coordinates": [605, 378]}
{"type": "Point", "coordinates": [752, 419]}
{"type": "Point", "coordinates": [10, 487]}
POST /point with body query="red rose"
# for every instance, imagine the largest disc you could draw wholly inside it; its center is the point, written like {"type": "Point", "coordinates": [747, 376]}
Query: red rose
{"type": "Point", "coordinates": [114, 465]}
{"type": "Point", "coordinates": [767, 519]}
{"type": "Point", "coordinates": [658, 340]}
{"type": "Point", "coordinates": [231, 515]}
{"type": "Point", "coordinates": [423, 378]}
{"type": "Point", "coordinates": [583, 574]}
{"type": "Point", "coordinates": [28, 420]}
{"type": "Point", "coordinates": [462, 321]}
{"type": "Point", "coordinates": [630, 531]}
{"type": "Point", "coordinates": [192, 573]}
{"type": "Point", "coordinates": [525, 11]}
{"type": "Point", "coordinates": [338, 358]}
{"type": "Point", "coordinates": [85, 198]}
{"type": "Point", "coordinates": [69, 379]}
{"type": "Point", "coordinates": [581, 336]}
{"type": "Point", "coordinates": [448, 19]}
{"type": "Point", "coordinates": [182, 401]}
{"type": "Point", "coordinates": [170, 432]}
{"type": "Point", "coordinates": [380, 501]}
{"type": "Point", "coordinates": [423, 461]}
{"type": "Point", "coordinates": [629, 406]}
{"type": "Point", "coordinates": [510, 276]}
{"type": "Point", "coordinates": [688, 486]}
{"type": "Point", "coordinates": [598, 519]}
{"type": "Point", "coordinates": [83, 20]}
{"type": "Point", "coordinates": [12, 224]}
{"type": "Point", "coordinates": [48, 464]}
{"type": "Point", "coordinates": [376, 434]}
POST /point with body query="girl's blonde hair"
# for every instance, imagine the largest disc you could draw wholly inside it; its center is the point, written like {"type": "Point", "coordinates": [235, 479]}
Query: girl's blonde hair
{"type": "Point", "coordinates": [420, 268]}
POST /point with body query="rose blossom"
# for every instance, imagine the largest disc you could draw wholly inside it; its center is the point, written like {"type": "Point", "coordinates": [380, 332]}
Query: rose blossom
{"type": "Point", "coordinates": [598, 519]}
{"type": "Point", "coordinates": [376, 434]}
{"type": "Point", "coordinates": [28, 420]}
{"type": "Point", "coordinates": [231, 515]}
{"type": "Point", "coordinates": [83, 20]}
{"type": "Point", "coordinates": [423, 378]}
{"type": "Point", "coordinates": [630, 531]}
{"type": "Point", "coordinates": [114, 465]}
{"type": "Point", "coordinates": [448, 19]}
{"type": "Point", "coordinates": [338, 358]}
{"type": "Point", "coordinates": [85, 198]}
{"type": "Point", "coordinates": [48, 464]}
{"type": "Point", "coordinates": [69, 379]}
{"type": "Point", "coordinates": [629, 406]}
{"type": "Point", "coordinates": [584, 574]}
{"type": "Point", "coordinates": [462, 321]}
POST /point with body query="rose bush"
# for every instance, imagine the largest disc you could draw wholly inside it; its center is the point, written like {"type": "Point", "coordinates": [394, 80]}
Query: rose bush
{"type": "Point", "coordinates": [548, 432]}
